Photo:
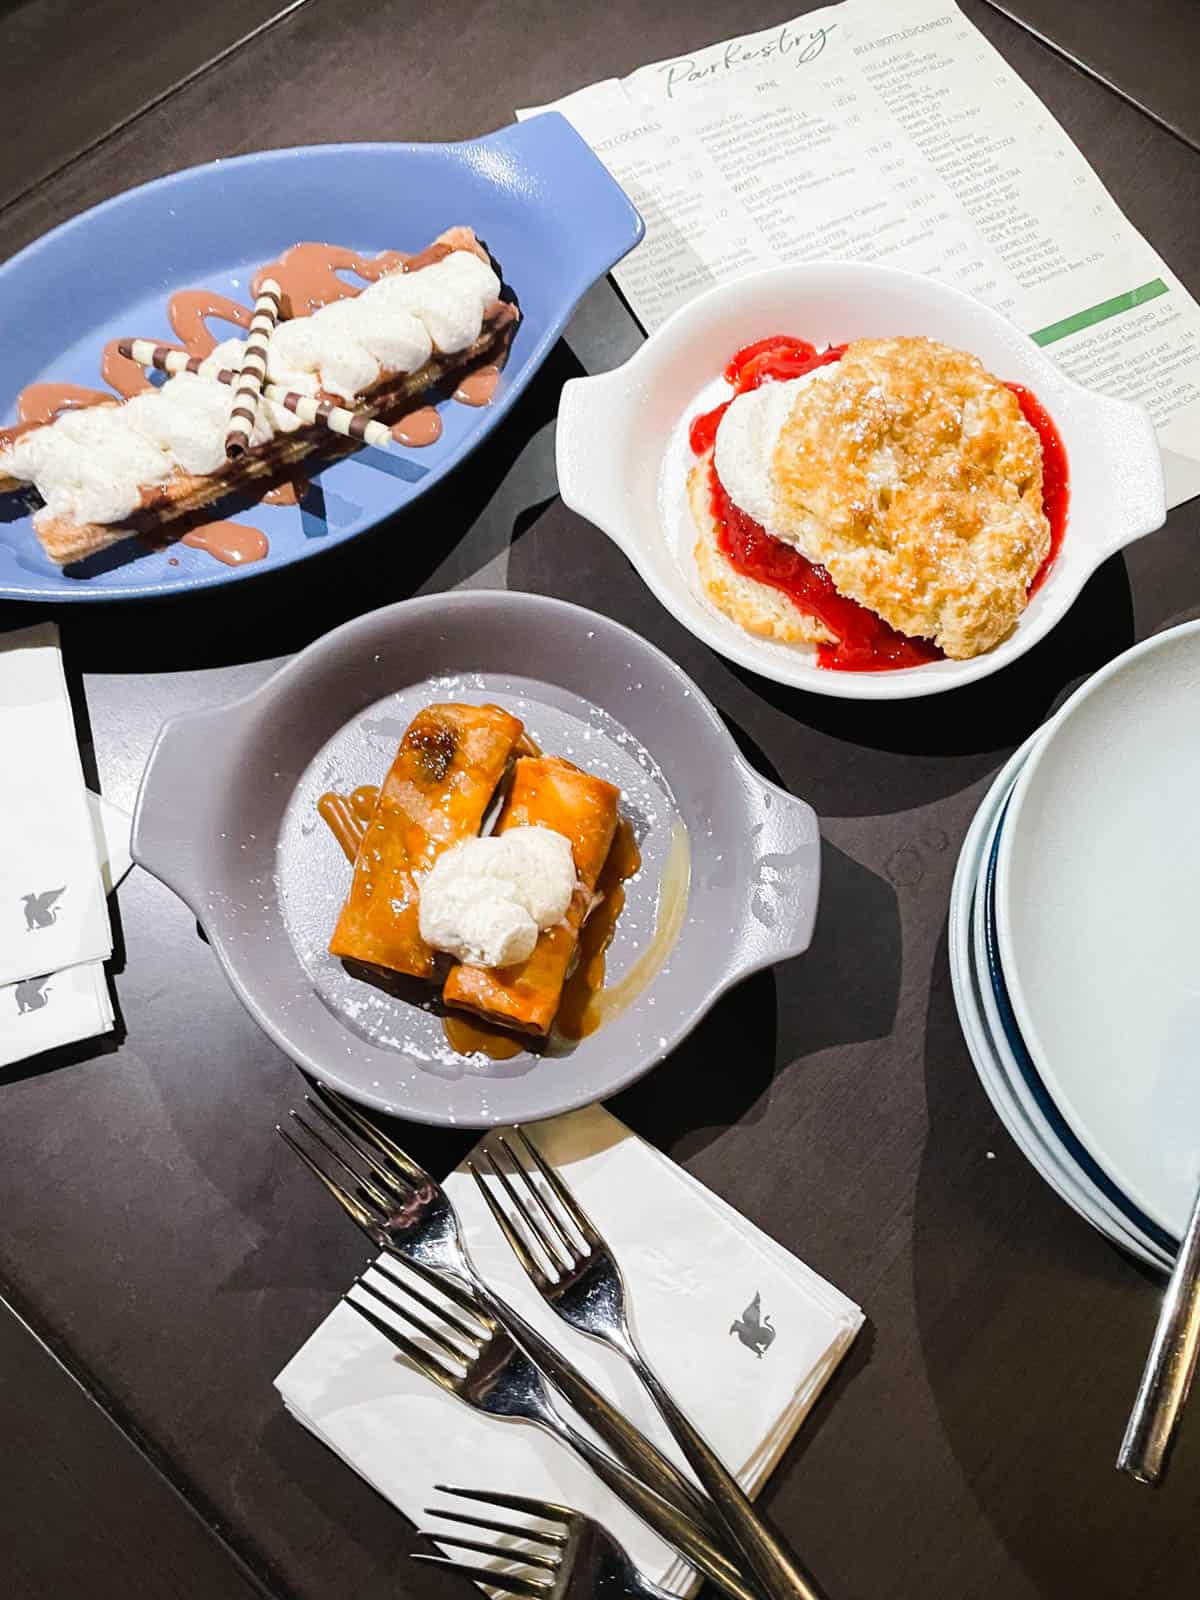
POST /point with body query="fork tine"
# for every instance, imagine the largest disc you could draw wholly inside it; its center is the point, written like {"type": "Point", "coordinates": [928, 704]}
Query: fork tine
{"type": "Point", "coordinates": [398, 1186]}
{"type": "Point", "coordinates": [433, 1334]}
{"type": "Point", "coordinates": [529, 1558]}
{"type": "Point", "coordinates": [512, 1528]}
{"type": "Point", "coordinates": [442, 1282]}
{"type": "Point", "coordinates": [352, 1207]}
{"type": "Point", "coordinates": [351, 1114]}
{"type": "Point", "coordinates": [578, 1216]}
{"type": "Point", "coordinates": [513, 1582]}
{"type": "Point", "coordinates": [547, 1510]}
{"type": "Point", "coordinates": [522, 1252]}
{"type": "Point", "coordinates": [421, 1359]}
{"type": "Point", "coordinates": [477, 1336]}
{"type": "Point", "coordinates": [574, 1253]}
{"type": "Point", "coordinates": [365, 1184]}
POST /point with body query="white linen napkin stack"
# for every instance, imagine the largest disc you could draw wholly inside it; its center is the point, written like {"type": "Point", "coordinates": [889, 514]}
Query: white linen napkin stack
{"type": "Point", "coordinates": [61, 850]}
{"type": "Point", "coordinates": [744, 1334]}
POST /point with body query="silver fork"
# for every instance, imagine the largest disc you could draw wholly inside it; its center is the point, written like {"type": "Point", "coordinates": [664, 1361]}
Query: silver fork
{"type": "Point", "coordinates": [407, 1214]}
{"type": "Point", "coordinates": [584, 1285]}
{"type": "Point", "coordinates": [468, 1355]}
{"type": "Point", "coordinates": [579, 1558]}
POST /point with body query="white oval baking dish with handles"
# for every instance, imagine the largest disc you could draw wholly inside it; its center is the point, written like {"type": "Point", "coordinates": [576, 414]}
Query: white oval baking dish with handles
{"type": "Point", "coordinates": [623, 453]}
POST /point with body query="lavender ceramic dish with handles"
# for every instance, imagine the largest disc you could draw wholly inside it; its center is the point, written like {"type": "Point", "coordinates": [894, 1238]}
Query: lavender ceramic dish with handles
{"type": "Point", "coordinates": [227, 818]}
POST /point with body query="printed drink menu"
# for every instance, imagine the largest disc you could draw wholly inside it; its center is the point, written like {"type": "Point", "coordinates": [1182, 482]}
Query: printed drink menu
{"type": "Point", "coordinates": [892, 131]}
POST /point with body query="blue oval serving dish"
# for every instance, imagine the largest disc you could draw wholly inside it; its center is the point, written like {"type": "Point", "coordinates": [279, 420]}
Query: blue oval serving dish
{"type": "Point", "coordinates": [546, 207]}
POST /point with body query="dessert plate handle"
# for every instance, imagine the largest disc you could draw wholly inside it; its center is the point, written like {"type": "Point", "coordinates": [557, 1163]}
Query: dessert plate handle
{"type": "Point", "coordinates": [785, 878]}
{"type": "Point", "coordinates": [1136, 503]}
{"type": "Point", "coordinates": [173, 820]}
{"type": "Point", "coordinates": [544, 160]}
{"type": "Point", "coordinates": [593, 420]}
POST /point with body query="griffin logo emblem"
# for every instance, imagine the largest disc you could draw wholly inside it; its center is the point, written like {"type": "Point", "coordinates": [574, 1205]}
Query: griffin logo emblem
{"type": "Point", "coordinates": [40, 910]}
{"type": "Point", "coordinates": [31, 995]}
{"type": "Point", "coordinates": [753, 1329]}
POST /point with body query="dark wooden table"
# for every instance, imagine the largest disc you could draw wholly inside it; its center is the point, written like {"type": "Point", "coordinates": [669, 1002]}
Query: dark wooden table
{"type": "Point", "coordinates": [154, 1232]}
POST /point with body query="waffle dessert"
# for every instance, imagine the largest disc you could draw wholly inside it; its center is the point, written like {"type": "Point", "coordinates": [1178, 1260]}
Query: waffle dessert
{"type": "Point", "coordinates": [110, 472]}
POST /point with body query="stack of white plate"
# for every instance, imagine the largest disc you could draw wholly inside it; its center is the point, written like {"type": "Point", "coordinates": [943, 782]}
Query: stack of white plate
{"type": "Point", "coordinates": [1075, 946]}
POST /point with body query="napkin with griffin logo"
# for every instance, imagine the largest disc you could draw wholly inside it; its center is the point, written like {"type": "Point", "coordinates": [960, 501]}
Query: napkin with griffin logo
{"type": "Point", "coordinates": [52, 908]}
{"type": "Point", "coordinates": [58, 1008]}
{"type": "Point", "coordinates": [745, 1335]}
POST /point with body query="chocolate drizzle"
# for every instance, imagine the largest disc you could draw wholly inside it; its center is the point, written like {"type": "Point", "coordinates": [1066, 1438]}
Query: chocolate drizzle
{"type": "Point", "coordinates": [310, 276]}
{"type": "Point", "coordinates": [39, 403]}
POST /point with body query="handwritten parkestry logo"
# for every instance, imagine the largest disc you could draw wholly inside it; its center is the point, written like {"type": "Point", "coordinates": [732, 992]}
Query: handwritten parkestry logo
{"type": "Point", "coordinates": [780, 45]}
{"type": "Point", "coordinates": [40, 910]}
{"type": "Point", "coordinates": [32, 994]}
{"type": "Point", "coordinates": [753, 1329]}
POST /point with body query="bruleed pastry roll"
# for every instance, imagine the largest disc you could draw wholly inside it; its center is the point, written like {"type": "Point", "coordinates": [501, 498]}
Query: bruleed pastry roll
{"type": "Point", "coordinates": [551, 793]}
{"type": "Point", "coordinates": [449, 764]}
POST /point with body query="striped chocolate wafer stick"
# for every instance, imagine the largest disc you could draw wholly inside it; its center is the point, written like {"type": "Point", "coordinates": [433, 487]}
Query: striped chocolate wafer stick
{"type": "Point", "coordinates": [253, 370]}
{"type": "Point", "coordinates": [166, 357]}
{"type": "Point", "coordinates": [350, 424]}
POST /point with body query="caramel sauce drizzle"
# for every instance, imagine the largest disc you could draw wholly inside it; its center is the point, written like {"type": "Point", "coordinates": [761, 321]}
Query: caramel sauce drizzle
{"type": "Point", "coordinates": [347, 815]}
{"type": "Point", "coordinates": [468, 1036]}
{"type": "Point", "coordinates": [587, 1003]}
{"type": "Point", "coordinates": [577, 1015]}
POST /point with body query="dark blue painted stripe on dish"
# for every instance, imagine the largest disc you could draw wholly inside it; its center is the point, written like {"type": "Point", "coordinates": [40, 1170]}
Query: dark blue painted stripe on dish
{"type": "Point", "coordinates": [1012, 1033]}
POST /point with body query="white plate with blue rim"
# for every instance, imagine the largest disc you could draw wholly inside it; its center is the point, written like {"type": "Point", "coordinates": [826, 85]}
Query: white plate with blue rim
{"type": "Point", "coordinates": [1001, 1080]}
{"type": "Point", "coordinates": [1097, 883]}
{"type": "Point", "coordinates": [1107, 1204]}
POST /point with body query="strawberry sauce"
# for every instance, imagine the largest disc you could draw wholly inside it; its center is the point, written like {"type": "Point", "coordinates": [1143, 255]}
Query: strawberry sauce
{"type": "Point", "coordinates": [864, 641]}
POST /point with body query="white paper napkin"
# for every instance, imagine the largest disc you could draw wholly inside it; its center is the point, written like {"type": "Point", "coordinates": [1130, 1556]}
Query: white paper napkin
{"type": "Point", "coordinates": [60, 1008]}
{"type": "Point", "coordinates": [52, 910]}
{"type": "Point", "coordinates": [110, 830]}
{"type": "Point", "coordinates": [745, 1335]}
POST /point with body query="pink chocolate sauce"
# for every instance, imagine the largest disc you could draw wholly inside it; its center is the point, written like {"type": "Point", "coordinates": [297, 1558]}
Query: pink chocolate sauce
{"type": "Point", "coordinates": [288, 493]}
{"type": "Point", "coordinates": [418, 428]}
{"type": "Point", "coordinates": [39, 403]}
{"type": "Point", "coordinates": [309, 275]}
{"type": "Point", "coordinates": [228, 542]}
{"type": "Point", "coordinates": [478, 387]}
{"type": "Point", "coordinates": [189, 311]}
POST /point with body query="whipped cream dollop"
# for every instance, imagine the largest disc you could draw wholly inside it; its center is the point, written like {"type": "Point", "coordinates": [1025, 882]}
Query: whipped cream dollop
{"type": "Point", "coordinates": [744, 453]}
{"type": "Point", "coordinates": [92, 465]}
{"type": "Point", "coordinates": [486, 900]}
{"type": "Point", "coordinates": [394, 326]}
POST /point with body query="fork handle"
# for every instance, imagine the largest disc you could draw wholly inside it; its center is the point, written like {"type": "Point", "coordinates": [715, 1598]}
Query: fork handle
{"type": "Point", "coordinates": [777, 1568]}
{"type": "Point", "coordinates": [668, 1522]}
{"type": "Point", "coordinates": [631, 1448]}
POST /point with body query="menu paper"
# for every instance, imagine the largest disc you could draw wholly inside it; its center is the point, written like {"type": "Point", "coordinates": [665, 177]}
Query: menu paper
{"type": "Point", "coordinates": [892, 131]}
